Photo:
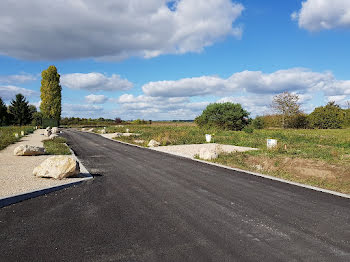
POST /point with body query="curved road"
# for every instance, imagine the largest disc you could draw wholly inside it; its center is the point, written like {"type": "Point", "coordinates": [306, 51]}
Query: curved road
{"type": "Point", "coordinates": [145, 205]}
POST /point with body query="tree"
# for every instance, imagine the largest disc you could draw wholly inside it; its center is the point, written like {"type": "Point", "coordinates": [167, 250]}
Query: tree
{"type": "Point", "coordinates": [258, 122]}
{"type": "Point", "coordinates": [3, 113]}
{"type": "Point", "coordinates": [50, 96]}
{"type": "Point", "coordinates": [223, 115]}
{"type": "Point", "coordinates": [37, 119]}
{"type": "Point", "coordinates": [287, 105]}
{"type": "Point", "coordinates": [19, 110]}
{"type": "Point", "coordinates": [329, 116]}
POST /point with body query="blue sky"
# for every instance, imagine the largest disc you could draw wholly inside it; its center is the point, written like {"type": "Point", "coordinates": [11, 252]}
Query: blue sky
{"type": "Point", "coordinates": [140, 59]}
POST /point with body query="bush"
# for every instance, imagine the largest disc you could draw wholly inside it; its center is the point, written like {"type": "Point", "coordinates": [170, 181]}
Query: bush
{"type": "Point", "coordinates": [227, 116]}
{"type": "Point", "coordinates": [299, 121]}
{"type": "Point", "coordinates": [248, 129]}
{"type": "Point", "coordinates": [326, 117]}
{"type": "Point", "coordinates": [139, 122]}
{"type": "Point", "coordinates": [258, 122]}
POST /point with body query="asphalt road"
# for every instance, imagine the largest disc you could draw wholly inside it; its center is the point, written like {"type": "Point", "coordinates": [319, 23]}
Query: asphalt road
{"type": "Point", "coordinates": [149, 206]}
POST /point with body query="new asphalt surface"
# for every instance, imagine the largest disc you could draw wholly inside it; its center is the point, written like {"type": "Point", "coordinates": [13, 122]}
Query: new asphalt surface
{"type": "Point", "coordinates": [145, 205]}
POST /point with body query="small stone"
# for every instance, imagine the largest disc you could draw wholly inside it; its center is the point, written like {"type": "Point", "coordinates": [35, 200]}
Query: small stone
{"type": "Point", "coordinates": [103, 131]}
{"type": "Point", "coordinates": [26, 150]}
{"type": "Point", "coordinates": [139, 141]}
{"type": "Point", "coordinates": [153, 143]}
{"type": "Point", "coordinates": [57, 167]}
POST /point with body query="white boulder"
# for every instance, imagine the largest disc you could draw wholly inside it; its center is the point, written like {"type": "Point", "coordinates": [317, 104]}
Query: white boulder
{"type": "Point", "coordinates": [53, 136]}
{"type": "Point", "coordinates": [48, 128]}
{"type": "Point", "coordinates": [55, 130]}
{"type": "Point", "coordinates": [207, 154]}
{"type": "Point", "coordinates": [57, 167]}
{"type": "Point", "coordinates": [153, 143]}
{"type": "Point", "coordinates": [103, 131]}
{"type": "Point", "coordinates": [47, 133]}
{"type": "Point", "coordinates": [25, 150]}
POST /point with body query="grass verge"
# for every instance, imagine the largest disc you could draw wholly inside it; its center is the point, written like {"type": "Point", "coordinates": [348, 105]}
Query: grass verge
{"type": "Point", "coordinates": [57, 146]}
{"type": "Point", "coordinates": [7, 134]}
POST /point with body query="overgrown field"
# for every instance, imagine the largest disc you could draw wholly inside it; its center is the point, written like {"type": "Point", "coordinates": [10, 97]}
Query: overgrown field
{"type": "Point", "coordinates": [7, 134]}
{"type": "Point", "coordinates": [316, 157]}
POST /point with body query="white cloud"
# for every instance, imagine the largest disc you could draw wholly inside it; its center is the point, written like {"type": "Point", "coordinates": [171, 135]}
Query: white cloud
{"type": "Point", "coordinates": [9, 92]}
{"type": "Point", "coordinates": [316, 15]}
{"type": "Point", "coordinates": [78, 110]}
{"type": "Point", "coordinates": [14, 79]}
{"type": "Point", "coordinates": [113, 29]}
{"type": "Point", "coordinates": [96, 99]}
{"type": "Point", "coordinates": [186, 87]}
{"type": "Point", "coordinates": [95, 82]}
{"type": "Point", "coordinates": [158, 108]}
{"type": "Point", "coordinates": [293, 80]}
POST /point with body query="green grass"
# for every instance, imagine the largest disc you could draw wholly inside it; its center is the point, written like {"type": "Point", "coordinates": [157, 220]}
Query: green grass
{"type": "Point", "coordinates": [7, 134]}
{"type": "Point", "coordinates": [57, 146]}
{"type": "Point", "coordinates": [327, 145]}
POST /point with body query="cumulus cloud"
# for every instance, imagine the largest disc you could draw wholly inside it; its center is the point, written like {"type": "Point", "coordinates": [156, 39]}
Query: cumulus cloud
{"type": "Point", "coordinates": [113, 29]}
{"type": "Point", "coordinates": [15, 79]}
{"type": "Point", "coordinates": [78, 110]}
{"type": "Point", "coordinates": [158, 108]}
{"type": "Point", "coordinates": [291, 80]}
{"type": "Point", "coordinates": [9, 92]}
{"type": "Point", "coordinates": [95, 82]}
{"type": "Point", "coordinates": [316, 15]}
{"type": "Point", "coordinates": [96, 99]}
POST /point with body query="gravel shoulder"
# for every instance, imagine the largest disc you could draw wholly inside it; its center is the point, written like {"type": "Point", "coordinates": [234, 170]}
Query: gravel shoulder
{"type": "Point", "coordinates": [191, 150]}
{"type": "Point", "coordinates": [16, 171]}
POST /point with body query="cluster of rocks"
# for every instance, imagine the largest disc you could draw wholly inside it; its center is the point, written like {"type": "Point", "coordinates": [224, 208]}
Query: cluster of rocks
{"type": "Point", "coordinates": [51, 133]}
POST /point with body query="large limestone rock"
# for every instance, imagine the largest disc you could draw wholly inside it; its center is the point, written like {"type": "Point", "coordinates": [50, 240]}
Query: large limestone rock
{"type": "Point", "coordinates": [26, 150]}
{"type": "Point", "coordinates": [103, 131]}
{"type": "Point", "coordinates": [57, 167]}
{"type": "Point", "coordinates": [48, 128]}
{"type": "Point", "coordinates": [47, 133]}
{"type": "Point", "coordinates": [53, 136]}
{"type": "Point", "coordinates": [55, 130]}
{"type": "Point", "coordinates": [208, 154]}
{"type": "Point", "coordinates": [153, 143]}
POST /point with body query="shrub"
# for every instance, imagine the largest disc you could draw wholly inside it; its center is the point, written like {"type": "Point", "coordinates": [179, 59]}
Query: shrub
{"type": "Point", "coordinates": [329, 116]}
{"type": "Point", "coordinates": [228, 116]}
{"type": "Point", "coordinates": [248, 129]}
{"type": "Point", "coordinates": [258, 122]}
{"type": "Point", "coordinates": [139, 122]}
{"type": "Point", "coordinates": [299, 121]}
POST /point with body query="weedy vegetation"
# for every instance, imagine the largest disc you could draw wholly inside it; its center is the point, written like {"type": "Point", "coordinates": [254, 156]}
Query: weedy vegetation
{"type": "Point", "coordinates": [7, 134]}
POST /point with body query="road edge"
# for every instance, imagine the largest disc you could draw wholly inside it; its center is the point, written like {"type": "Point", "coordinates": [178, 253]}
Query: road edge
{"type": "Point", "coordinates": [244, 171]}
{"type": "Point", "coordinates": [7, 201]}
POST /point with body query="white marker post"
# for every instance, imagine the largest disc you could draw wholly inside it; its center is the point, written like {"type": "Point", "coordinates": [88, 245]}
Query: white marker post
{"type": "Point", "coordinates": [208, 138]}
{"type": "Point", "coordinates": [271, 143]}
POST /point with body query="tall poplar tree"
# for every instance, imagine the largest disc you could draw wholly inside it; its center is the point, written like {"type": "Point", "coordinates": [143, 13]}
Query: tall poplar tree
{"type": "Point", "coordinates": [50, 96]}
